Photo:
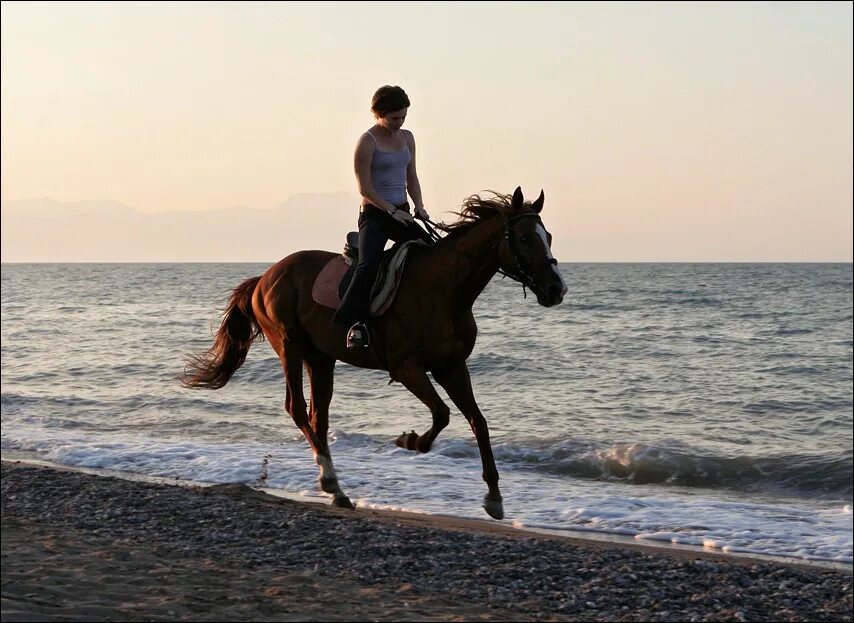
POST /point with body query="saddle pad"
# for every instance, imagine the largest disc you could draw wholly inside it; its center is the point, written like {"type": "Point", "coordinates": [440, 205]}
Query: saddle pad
{"type": "Point", "coordinates": [326, 285]}
{"type": "Point", "coordinates": [325, 289]}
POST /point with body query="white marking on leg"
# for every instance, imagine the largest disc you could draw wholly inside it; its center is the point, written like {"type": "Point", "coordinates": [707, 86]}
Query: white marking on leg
{"type": "Point", "coordinates": [542, 234]}
{"type": "Point", "coordinates": [329, 482]}
{"type": "Point", "coordinates": [326, 469]}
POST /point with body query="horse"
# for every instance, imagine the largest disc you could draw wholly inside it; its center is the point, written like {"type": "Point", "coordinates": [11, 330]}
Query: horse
{"type": "Point", "coordinates": [429, 326]}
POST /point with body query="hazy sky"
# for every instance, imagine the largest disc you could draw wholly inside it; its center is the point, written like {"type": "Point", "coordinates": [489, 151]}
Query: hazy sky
{"type": "Point", "coordinates": [659, 131]}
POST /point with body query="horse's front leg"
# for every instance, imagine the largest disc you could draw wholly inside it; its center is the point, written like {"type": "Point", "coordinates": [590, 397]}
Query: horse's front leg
{"type": "Point", "coordinates": [415, 379]}
{"type": "Point", "coordinates": [457, 382]}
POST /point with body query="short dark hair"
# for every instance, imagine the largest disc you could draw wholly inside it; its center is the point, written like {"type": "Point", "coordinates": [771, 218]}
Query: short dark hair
{"type": "Point", "coordinates": [388, 99]}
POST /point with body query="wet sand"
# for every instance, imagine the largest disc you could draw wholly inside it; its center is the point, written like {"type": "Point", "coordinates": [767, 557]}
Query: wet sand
{"type": "Point", "coordinates": [83, 547]}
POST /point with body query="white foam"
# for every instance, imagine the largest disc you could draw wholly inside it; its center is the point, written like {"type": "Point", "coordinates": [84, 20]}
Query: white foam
{"type": "Point", "coordinates": [376, 474]}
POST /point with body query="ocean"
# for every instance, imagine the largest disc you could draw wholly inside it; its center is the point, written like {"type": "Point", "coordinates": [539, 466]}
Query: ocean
{"type": "Point", "coordinates": [695, 404]}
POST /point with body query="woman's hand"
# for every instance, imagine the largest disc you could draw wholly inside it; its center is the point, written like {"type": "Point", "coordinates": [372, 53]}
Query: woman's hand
{"type": "Point", "coordinates": [402, 216]}
{"type": "Point", "coordinates": [421, 213]}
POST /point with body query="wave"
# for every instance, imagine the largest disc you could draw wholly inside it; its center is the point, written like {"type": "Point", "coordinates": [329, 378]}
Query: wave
{"type": "Point", "coordinates": [807, 475]}
{"type": "Point", "coordinates": [667, 463]}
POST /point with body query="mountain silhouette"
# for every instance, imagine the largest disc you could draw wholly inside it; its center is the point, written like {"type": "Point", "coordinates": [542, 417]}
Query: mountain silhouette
{"type": "Point", "coordinates": [45, 230]}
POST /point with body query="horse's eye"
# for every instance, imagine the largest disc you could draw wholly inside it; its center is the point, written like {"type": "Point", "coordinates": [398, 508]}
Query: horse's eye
{"type": "Point", "coordinates": [525, 239]}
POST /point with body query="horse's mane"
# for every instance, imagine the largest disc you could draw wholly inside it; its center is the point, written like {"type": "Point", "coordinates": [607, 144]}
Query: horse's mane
{"type": "Point", "coordinates": [476, 209]}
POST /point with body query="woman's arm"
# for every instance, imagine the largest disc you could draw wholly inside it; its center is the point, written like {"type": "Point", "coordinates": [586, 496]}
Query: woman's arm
{"type": "Point", "coordinates": [413, 186]}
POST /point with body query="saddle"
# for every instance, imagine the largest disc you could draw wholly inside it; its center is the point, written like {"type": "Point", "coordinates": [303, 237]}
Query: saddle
{"type": "Point", "coordinates": [333, 280]}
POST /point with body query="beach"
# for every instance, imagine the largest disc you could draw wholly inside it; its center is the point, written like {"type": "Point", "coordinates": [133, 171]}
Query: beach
{"type": "Point", "coordinates": [78, 546]}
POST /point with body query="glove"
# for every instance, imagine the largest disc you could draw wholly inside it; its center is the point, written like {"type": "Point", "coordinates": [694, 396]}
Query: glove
{"type": "Point", "coordinates": [402, 216]}
{"type": "Point", "coordinates": [421, 213]}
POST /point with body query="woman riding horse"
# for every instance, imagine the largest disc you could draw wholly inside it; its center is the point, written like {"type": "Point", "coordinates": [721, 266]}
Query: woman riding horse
{"type": "Point", "coordinates": [385, 170]}
{"type": "Point", "coordinates": [429, 326]}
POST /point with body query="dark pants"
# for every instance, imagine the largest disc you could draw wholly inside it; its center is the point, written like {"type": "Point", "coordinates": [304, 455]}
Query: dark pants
{"type": "Point", "coordinates": [376, 227]}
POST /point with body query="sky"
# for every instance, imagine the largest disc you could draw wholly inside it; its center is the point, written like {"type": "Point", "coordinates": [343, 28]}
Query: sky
{"type": "Point", "coordinates": [658, 131]}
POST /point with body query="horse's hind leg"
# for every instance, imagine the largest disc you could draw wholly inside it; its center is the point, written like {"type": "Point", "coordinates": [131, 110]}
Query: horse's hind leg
{"type": "Point", "coordinates": [321, 371]}
{"type": "Point", "coordinates": [292, 362]}
{"type": "Point", "coordinates": [415, 379]}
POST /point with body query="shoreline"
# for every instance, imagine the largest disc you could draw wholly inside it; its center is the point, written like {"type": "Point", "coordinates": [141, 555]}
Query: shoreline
{"type": "Point", "coordinates": [449, 522]}
{"type": "Point", "coordinates": [78, 546]}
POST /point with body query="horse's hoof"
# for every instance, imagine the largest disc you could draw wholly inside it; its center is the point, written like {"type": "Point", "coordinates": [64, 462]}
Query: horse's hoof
{"type": "Point", "coordinates": [328, 485]}
{"type": "Point", "coordinates": [342, 501]}
{"type": "Point", "coordinates": [495, 508]}
{"type": "Point", "coordinates": [407, 441]}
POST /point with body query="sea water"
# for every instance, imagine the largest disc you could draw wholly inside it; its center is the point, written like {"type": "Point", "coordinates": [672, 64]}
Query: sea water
{"type": "Point", "coordinates": [700, 404]}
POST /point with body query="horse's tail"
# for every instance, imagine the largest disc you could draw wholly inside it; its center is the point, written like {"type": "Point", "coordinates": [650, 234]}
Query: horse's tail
{"type": "Point", "coordinates": [213, 368]}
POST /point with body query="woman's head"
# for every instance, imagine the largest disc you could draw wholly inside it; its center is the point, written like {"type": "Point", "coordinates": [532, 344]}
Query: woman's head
{"type": "Point", "coordinates": [389, 99]}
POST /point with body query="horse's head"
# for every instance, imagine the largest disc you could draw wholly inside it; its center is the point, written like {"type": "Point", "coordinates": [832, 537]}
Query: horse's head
{"type": "Point", "coordinates": [525, 251]}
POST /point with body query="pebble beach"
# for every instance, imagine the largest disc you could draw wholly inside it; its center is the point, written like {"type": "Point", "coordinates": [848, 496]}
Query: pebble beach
{"type": "Point", "coordinates": [78, 546]}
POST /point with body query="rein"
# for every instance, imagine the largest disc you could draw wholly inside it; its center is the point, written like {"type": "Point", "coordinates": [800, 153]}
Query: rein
{"type": "Point", "coordinates": [430, 231]}
{"type": "Point", "coordinates": [521, 271]}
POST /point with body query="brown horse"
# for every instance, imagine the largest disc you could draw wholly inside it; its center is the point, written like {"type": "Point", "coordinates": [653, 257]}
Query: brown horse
{"type": "Point", "coordinates": [429, 327]}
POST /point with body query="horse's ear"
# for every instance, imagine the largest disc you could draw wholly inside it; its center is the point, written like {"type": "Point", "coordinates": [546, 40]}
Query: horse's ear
{"type": "Point", "coordinates": [537, 206]}
{"type": "Point", "coordinates": [516, 204]}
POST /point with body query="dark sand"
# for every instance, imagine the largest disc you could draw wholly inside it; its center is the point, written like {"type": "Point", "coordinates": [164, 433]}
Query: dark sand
{"type": "Point", "coordinates": [82, 547]}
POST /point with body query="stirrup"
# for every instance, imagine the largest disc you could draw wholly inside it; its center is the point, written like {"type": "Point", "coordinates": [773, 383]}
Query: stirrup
{"type": "Point", "coordinates": [358, 337]}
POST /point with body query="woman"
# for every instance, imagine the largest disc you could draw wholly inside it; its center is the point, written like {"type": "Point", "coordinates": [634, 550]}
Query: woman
{"type": "Point", "coordinates": [385, 171]}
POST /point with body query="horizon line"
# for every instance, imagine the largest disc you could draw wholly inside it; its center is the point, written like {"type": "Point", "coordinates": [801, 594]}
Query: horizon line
{"type": "Point", "coordinates": [3, 263]}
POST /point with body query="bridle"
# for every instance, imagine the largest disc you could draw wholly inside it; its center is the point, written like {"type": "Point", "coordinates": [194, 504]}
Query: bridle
{"type": "Point", "coordinates": [521, 267]}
